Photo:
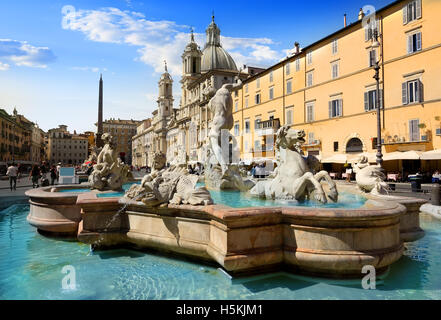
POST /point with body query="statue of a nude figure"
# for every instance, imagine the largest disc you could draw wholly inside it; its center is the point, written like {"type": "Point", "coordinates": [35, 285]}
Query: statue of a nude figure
{"type": "Point", "coordinates": [221, 108]}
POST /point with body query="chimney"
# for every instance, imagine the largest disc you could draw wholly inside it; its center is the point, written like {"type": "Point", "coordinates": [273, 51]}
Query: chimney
{"type": "Point", "coordinates": [361, 14]}
{"type": "Point", "coordinates": [345, 22]}
{"type": "Point", "coordinates": [297, 46]}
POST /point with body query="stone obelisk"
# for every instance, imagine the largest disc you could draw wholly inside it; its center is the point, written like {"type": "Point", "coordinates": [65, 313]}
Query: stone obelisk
{"type": "Point", "coordinates": [99, 141]}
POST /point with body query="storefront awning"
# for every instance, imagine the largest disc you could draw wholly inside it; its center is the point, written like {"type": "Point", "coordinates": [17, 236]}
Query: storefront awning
{"type": "Point", "coordinates": [431, 155]}
{"type": "Point", "coordinates": [406, 155]}
{"type": "Point", "coordinates": [348, 157]}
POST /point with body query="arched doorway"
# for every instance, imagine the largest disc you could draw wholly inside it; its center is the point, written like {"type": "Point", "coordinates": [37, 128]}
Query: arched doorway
{"type": "Point", "coordinates": [354, 145]}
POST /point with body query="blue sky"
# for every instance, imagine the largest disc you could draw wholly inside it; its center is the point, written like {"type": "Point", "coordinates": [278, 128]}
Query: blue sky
{"type": "Point", "coordinates": [50, 64]}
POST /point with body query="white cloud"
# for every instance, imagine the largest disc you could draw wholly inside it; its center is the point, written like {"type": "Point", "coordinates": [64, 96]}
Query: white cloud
{"type": "Point", "coordinates": [22, 53]}
{"type": "Point", "coordinates": [4, 66]}
{"type": "Point", "coordinates": [161, 40]}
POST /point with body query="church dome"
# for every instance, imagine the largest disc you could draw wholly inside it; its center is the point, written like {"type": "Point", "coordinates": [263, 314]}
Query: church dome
{"type": "Point", "coordinates": [213, 55]}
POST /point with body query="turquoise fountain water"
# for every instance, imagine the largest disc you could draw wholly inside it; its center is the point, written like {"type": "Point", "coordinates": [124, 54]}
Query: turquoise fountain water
{"type": "Point", "coordinates": [31, 268]}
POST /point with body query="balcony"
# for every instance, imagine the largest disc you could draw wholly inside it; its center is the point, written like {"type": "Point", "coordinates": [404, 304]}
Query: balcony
{"type": "Point", "coordinates": [268, 127]}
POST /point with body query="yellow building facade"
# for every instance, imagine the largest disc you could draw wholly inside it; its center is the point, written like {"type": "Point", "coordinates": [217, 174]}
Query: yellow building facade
{"type": "Point", "coordinates": [327, 89]}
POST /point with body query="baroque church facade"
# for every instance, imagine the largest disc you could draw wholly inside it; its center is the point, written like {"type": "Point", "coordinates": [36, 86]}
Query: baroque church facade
{"type": "Point", "coordinates": [181, 133]}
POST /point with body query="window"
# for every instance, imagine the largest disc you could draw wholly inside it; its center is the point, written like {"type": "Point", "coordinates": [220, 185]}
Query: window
{"type": "Point", "coordinates": [257, 98]}
{"type": "Point", "coordinates": [271, 93]}
{"type": "Point", "coordinates": [246, 102]}
{"type": "Point", "coordinates": [236, 106]}
{"type": "Point", "coordinates": [288, 69]}
{"type": "Point", "coordinates": [289, 86]}
{"type": "Point", "coordinates": [414, 130]}
{"type": "Point", "coordinates": [369, 30]}
{"type": "Point", "coordinates": [309, 79]}
{"type": "Point", "coordinates": [370, 100]}
{"type": "Point", "coordinates": [335, 108]}
{"type": "Point", "coordinates": [310, 112]}
{"type": "Point", "coordinates": [412, 92]}
{"type": "Point", "coordinates": [247, 126]}
{"type": "Point", "coordinates": [412, 11]}
{"type": "Point", "coordinates": [414, 42]}
{"type": "Point", "coordinates": [257, 146]}
{"type": "Point", "coordinates": [258, 83]}
{"type": "Point", "coordinates": [256, 123]}
{"type": "Point", "coordinates": [438, 131]}
{"type": "Point", "coordinates": [289, 117]}
{"type": "Point", "coordinates": [335, 46]}
{"type": "Point", "coordinates": [297, 64]}
{"type": "Point", "coordinates": [246, 88]}
{"type": "Point", "coordinates": [236, 129]}
{"type": "Point", "coordinates": [335, 146]}
{"type": "Point", "coordinates": [335, 69]}
{"type": "Point", "coordinates": [309, 58]}
{"type": "Point", "coordinates": [372, 58]}
{"type": "Point", "coordinates": [271, 77]}
{"type": "Point", "coordinates": [311, 139]}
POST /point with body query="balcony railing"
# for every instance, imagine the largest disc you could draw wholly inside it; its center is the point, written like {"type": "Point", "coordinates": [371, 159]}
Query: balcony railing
{"type": "Point", "coordinates": [273, 123]}
{"type": "Point", "coordinates": [268, 127]}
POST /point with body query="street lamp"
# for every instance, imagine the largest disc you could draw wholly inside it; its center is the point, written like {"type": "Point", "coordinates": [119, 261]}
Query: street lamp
{"type": "Point", "coordinates": [376, 45]}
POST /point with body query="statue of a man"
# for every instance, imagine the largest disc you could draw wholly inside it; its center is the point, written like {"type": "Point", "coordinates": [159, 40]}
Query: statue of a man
{"type": "Point", "coordinates": [221, 108]}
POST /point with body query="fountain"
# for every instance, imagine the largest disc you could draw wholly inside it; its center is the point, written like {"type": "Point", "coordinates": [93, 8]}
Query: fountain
{"type": "Point", "coordinates": [297, 229]}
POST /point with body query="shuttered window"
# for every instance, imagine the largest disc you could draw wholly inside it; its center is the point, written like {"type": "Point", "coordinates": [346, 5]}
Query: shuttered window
{"type": "Point", "coordinates": [369, 30]}
{"type": "Point", "coordinates": [414, 42]}
{"type": "Point", "coordinates": [412, 11]}
{"type": "Point", "coordinates": [372, 58]}
{"type": "Point", "coordinates": [309, 57]}
{"type": "Point", "coordinates": [247, 126]}
{"type": "Point", "coordinates": [257, 98]}
{"type": "Point", "coordinates": [271, 93]}
{"type": "Point", "coordinates": [335, 46]}
{"type": "Point", "coordinates": [335, 108]}
{"type": "Point", "coordinates": [412, 92]}
{"type": "Point", "coordinates": [289, 117]}
{"type": "Point", "coordinates": [309, 79]}
{"type": "Point", "coordinates": [236, 129]}
{"type": "Point", "coordinates": [335, 70]}
{"type": "Point", "coordinates": [414, 130]}
{"type": "Point", "coordinates": [370, 100]}
{"type": "Point", "coordinates": [311, 139]}
{"type": "Point", "coordinates": [297, 64]}
{"type": "Point", "coordinates": [310, 112]}
{"type": "Point", "coordinates": [288, 86]}
{"type": "Point", "coordinates": [288, 69]}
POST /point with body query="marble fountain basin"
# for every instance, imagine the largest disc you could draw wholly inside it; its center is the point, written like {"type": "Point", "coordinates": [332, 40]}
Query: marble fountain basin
{"type": "Point", "coordinates": [326, 242]}
{"type": "Point", "coordinates": [54, 209]}
{"type": "Point", "coordinates": [330, 242]}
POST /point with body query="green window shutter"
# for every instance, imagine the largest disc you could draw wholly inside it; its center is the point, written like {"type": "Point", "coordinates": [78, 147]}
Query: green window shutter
{"type": "Point", "coordinates": [409, 44]}
{"type": "Point", "coordinates": [340, 107]}
{"type": "Point", "coordinates": [404, 93]}
{"type": "Point", "coordinates": [418, 9]}
{"type": "Point", "coordinates": [419, 42]}
{"type": "Point", "coordinates": [421, 90]}
{"type": "Point", "coordinates": [405, 15]}
{"type": "Point", "coordinates": [330, 109]}
{"type": "Point", "coordinates": [366, 101]}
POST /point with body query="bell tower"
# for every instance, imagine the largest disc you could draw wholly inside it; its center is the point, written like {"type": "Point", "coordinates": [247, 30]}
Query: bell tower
{"type": "Point", "coordinates": [165, 99]}
{"type": "Point", "coordinates": [191, 58]}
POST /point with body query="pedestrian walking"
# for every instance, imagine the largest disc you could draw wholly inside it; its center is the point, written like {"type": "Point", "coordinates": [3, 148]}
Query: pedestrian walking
{"type": "Point", "coordinates": [53, 172]}
{"type": "Point", "coordinates": [12, 174]}
{"type": "Point", "coordinates": [35, 176]}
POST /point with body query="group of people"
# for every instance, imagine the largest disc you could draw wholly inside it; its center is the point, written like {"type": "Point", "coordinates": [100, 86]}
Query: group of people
{"type": "Point", "coordinates": [37, 172]}
{"type": "Point", "coordinates": [259, 171]}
